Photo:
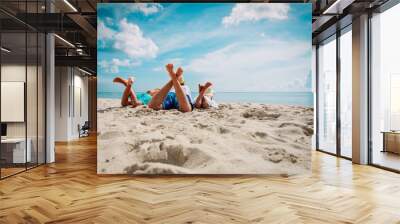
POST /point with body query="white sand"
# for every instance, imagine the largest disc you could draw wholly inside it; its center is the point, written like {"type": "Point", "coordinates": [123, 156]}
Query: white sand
{"type": "Point", "coordinates": [233, 139]}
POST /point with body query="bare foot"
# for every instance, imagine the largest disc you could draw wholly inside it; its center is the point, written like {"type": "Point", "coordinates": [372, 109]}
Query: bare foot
{"type": "Point", "coordinates": [120, 80]}
{"type": "Point", "coordinates": [138, 103]}
{"type": "Point", "coordinates": [170, 70]}
{"type": "Point", "coordinates": [205, 87]}
{"type": "Point", "coordinates": [130, 81]}
{"type": "Point", "coordinates": [201, 87]}
{"type": "Point", "coordinates": [179, 72]}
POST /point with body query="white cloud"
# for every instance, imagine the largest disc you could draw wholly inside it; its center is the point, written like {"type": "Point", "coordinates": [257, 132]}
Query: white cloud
{"type": "Point", "coordinates": [109, 21]}
{"type": "Point", "coordinates": [176, 61]}
{"type": "Point", "coordinates": [183, 40]}
{"type": "Point", "coordinates": [147, 8]}
{"type": "Point", "coordinates": [131, 41]}
{"type": "Point", "coordinates": [104, 32]}
{"type": "Point", "coordinates": [255, 12]}
{"type": "Point", "coordinates": [114, 65]}
{"type": "Point", "coordinates": [268, 65]}
{"type": "Point", "coordinates": [157, 69]}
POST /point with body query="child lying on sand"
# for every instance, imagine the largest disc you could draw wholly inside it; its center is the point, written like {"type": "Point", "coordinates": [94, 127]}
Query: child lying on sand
{"type": "Point", "coordinates": [205, 99]}
{"type": "Point", "coordinates": [165, 98]}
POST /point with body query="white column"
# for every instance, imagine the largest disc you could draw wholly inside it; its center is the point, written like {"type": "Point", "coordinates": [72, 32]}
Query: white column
{"type": "Point", "coordinates": [50, 92]}
{"type": "Point", "coordinates": [360, 90]}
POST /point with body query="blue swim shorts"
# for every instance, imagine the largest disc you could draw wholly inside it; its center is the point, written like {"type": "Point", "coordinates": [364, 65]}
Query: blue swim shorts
{"type": "Point", "coordinates": [171, 101]}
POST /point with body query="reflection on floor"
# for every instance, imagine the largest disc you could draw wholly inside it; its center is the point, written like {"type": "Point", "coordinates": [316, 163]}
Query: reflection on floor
{"type": "Point", "coordinates": [8, 170]}
{"type": "Point", "coordinates": [387, 159]}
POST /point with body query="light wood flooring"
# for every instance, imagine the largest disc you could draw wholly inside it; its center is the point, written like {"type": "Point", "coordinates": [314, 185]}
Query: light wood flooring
{"type": "Point", "coordinates": [70, 191]}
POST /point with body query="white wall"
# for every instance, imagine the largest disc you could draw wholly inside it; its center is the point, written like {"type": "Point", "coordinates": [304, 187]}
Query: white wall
{"type": "Point", "coordinates": [70, 83]}
{"type": "Point", "coordinates": [62, 81]}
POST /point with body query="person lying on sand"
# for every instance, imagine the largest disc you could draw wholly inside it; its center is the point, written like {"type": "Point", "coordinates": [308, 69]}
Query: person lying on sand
{"type": "Point", "coordinates": [129, 97]}
{"type": "Point", "coordinates": [205, 99]}
{"type": "Point", "coordinates": [165, 98]}
{"type": "Point", "coordinates": [179, 99]}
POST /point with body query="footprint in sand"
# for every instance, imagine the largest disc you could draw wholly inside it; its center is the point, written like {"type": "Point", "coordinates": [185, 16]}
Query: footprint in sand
{"type": "Point", "coordinates": [306, 130]}
{"type": "Point", "coordinates": [260, 134]}
{"type": "Point", "coordinates": [163, 153]}
{"type": "Point", "coordinates": [196, 140]}
{"type": "Point", "coordinates": [110, 135]}
{"type": "Point", "coordinates": [260, 114]}
{"type": "Point", "coordinates": [223, 130]}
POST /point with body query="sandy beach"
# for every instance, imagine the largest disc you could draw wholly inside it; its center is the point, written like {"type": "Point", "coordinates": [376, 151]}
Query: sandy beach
{"type": "Point", "coordinates": [245, 138]}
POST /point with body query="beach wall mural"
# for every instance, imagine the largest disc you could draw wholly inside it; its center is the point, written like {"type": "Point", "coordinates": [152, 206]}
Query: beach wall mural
{"type": "Point", "coordinates": [195, 88]}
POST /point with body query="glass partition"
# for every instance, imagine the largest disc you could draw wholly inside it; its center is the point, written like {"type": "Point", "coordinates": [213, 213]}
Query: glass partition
{"type": "Point", "coordinates": [346, 93]}
{"type": "Point", "coordinates": [327, 95]}
{"type": "Point", "coordinates": [32, 98]}
{"type": "Point", "coordinates": [22, 101]}
{"type": "Point", "coordinates": [41, 97]}
{"type": "Point", "coordinates": [385, 89]}
{"type": "Point", "coordinates": [13, 94]}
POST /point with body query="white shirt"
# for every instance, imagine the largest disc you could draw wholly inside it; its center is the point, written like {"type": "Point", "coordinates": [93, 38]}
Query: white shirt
{"type": "Point", "coordinates": [186, 90]}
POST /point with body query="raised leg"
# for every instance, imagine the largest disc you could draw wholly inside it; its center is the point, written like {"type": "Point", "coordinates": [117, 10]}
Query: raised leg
{"type": "Point", "coordinates": [128, 93]}
{"type": "Point", "coordinates": [158, 99]}
{"type": "Point", "coordinates": [204, 104]}
{"type": "Point", "coordinates": [199, 100]}
{"type": "Point", "coordinates": [184, 105]}
{"type": "Point", "coordinates": [202, 91]}
{"type": "Point", "coordinates": [125, 95]}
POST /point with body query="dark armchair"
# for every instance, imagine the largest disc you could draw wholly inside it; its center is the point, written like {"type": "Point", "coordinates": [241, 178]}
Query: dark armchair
{"type": "Point", "coordinates": [84, 130]}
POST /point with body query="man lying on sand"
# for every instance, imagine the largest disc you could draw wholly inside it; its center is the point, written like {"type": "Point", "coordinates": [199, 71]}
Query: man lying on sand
{"type": "Point", "coordinates": [166, 99]}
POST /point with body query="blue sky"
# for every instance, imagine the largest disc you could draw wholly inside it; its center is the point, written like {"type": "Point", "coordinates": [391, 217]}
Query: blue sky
{"type": "Point", "coordinates": [239, 47]}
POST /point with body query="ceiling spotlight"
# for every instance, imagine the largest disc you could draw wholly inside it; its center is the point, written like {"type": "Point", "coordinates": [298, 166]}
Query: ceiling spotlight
{"type": "Point", "coordinates": [5, 50]}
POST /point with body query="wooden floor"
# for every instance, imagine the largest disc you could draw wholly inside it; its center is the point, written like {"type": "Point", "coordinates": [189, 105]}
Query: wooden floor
{"type": "Point", "coordinates": [69, 191]}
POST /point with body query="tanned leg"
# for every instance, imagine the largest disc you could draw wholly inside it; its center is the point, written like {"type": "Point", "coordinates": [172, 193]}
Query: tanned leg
{"type": "Point", "coordinates": [202, 91]}
{"type": "Point", "coordinates": [120, 80]}
{"type": "Point", "coordinates": [184, 105]}
{"type": "Point", "coordinates": [199, 100]}
{"type": "Point", "coordinates": [124, 82]}
{"type": "Point", "coordinates": [126, 94]}
{"type": "Point", "coordinates": [158, 99]}
{"type": "Point", "coordinates": [205, 104]}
